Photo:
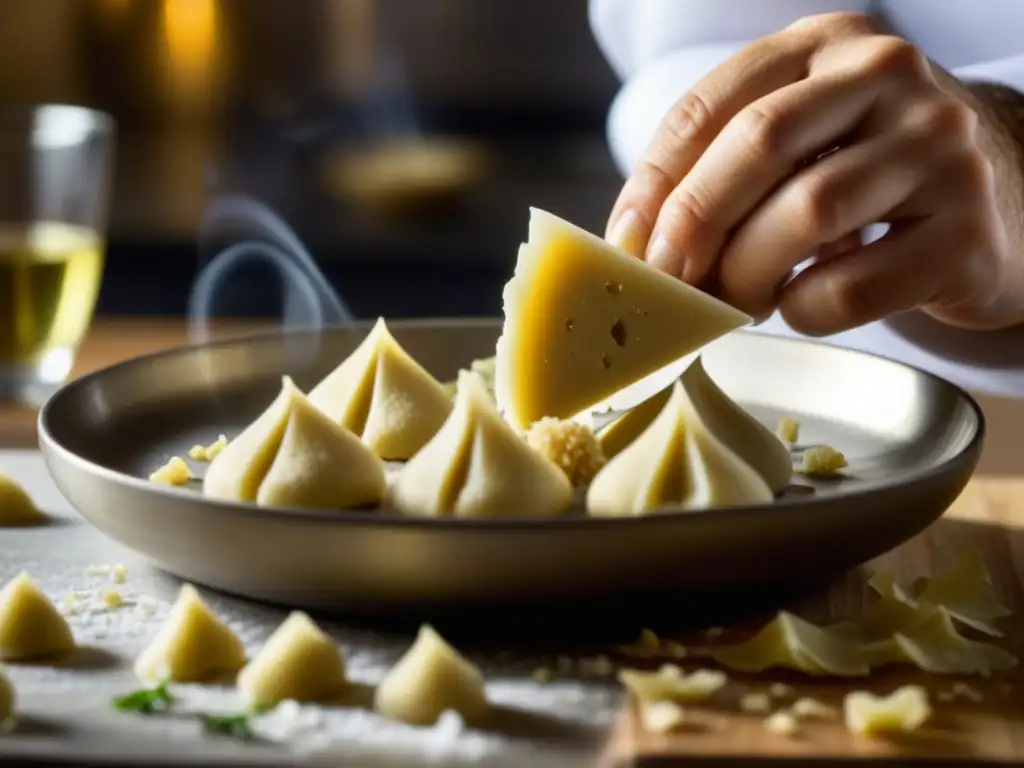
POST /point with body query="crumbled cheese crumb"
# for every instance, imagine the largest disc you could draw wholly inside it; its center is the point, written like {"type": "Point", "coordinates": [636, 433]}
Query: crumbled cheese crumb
{"type": "Point", "coordinates": [670, 683]}
{"type": "Point", "coordinates": [120, 574]}
{"type": "Point", "coordinates": [756, 702]}
{"type": "Point", "coordinates": [661, 716]}
{"type": "Point", "coordinates": [208, 452]}
{"type": "Point", "coordinates": [571, 446]}
{"type": "Point", "coordinates": [809, 708]}
{"type": "Point", "coordinates": [112, 598]}
{"type": "Point", "coordinates": [542, 675]}
{"type": "Point", "coordinates": [174, 472]}
{"type": "Point", "coordinates": [905, 709]}
{"type": "Point", "coordinates": [780, 690]}
{"type": "Point", "coordinates": [782, 723]}
{"type": "Point", "coordinates": [823, 461]}
{"type": "Point", "coordinates": [788, 430]}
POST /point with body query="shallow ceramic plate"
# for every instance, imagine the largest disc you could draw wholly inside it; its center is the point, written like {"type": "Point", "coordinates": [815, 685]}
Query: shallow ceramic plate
{"type": "Point", "coordinates": [912, 441]}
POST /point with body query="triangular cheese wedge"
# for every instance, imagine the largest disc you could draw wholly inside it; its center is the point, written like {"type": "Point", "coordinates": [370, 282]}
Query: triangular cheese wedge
{"type": "Point", "coordinates": [298, 662]}
{"type": "Point", "coordinates": [791, 642]}
{"type": "Point", "coordinates": [16, 506]}
{"type": "Point", "coordinates": [382, 394]}
{"type": "Point", "coordinates": [676, 462]}
{"type": "Point", "coordinates": [476, 466]}
{"type": "Point", "coordinates": [193, 646]}
{"type": "Point", "coordinates": [6, 700]}
{"type": "Point", "coordinates": [584, 319]}
{"type": "Point", "coordinates": [430, 678]}
{"type": "Point", "coordinates": [293, 455]}
{"type": "Point", "coordinates": [30, 626]}
{"type": "Point", "coordinates": [748, 438]}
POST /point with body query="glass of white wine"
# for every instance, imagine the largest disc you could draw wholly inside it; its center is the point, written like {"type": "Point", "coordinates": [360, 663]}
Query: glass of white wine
{"type": "Point", "coordinates": [55, 176]}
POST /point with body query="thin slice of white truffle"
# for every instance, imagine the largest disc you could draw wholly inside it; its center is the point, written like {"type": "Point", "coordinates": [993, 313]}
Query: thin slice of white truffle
{"type": "Point", "coordinates": [477, 466]}
{"type": "Point", "coordinates": [905, 709]}
{"type": "Point", "coordinates": [382, 394]}
{"type": "Point", "coordinates": [429, 679]}
{"type": "Point", "coordinates": [194, 645]}
{"type": "Point", "coordinates": [676, 462]}
{"type": "Point", "coordinates": [30, 625]}
{"type": "Point", "coordinates": [17, 509]}
{"type": "Point", "coordinates": [297, 662]}
{"type": "Point", "coordinates": [966, 592]}
{"type": "Point", "coordinates": [293, 455]}
{"type": "Point", "coordinates": [791, 642]}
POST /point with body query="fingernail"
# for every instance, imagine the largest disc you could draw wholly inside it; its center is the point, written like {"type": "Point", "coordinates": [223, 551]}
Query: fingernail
{"type": "Point", "coordinates": [661, 254]}
{"type": "Point", "coordinates": [629, 234]}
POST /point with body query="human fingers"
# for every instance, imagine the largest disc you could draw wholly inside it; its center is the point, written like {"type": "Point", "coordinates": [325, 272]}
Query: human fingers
{"type": "Point", "coordinates": [692, 123]}
{"type": "Point", "coordinates": [915, 264]}
{"type": "Point", "coordinates": [839, 195]}
{"type": "Point", "coordinates": [767, 141]}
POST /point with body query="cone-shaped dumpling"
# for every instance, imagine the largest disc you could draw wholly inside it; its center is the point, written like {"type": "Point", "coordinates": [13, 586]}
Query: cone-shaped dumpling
{"type": "Point", "coordinates": [430, 678]}
{"type": "Point", "coordinates": [476, 466]}
{"type": "Point", "coordinates": [6, 700]}
{"type": "Point", "coordinates": [676, 462]}
{"type": "Point", "coordinates": [298, 662]}
{"type": "Point", "coordinates": [293, 455]}
{"type": "Point", "coordinates": [748, 438]}
{"type": "Point", "coordinates": [193, 646]}
{"type": "Point", "coordinates": [16, 507]}
{"type": "Point", "coordinates": [584, 319]}
{"type": "Point", "coordinates": [30, 626]}
{"type": "Point", "coordinates": [381, 394]}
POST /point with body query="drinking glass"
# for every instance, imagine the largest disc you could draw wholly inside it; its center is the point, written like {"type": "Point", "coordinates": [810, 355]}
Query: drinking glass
{"type": "Point", "coordinates": [55, 176]}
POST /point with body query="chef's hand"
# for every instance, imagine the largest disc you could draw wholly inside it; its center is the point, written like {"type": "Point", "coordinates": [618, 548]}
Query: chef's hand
{"type": "Point", "coordinates": [741, 184]}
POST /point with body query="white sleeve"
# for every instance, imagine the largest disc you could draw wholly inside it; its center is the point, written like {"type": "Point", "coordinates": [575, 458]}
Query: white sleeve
{"type": "Point", "coordinates": [661, 48]}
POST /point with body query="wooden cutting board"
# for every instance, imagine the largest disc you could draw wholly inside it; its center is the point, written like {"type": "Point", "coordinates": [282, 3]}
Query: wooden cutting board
{"type": "Point", "coordinates": [988, 516]}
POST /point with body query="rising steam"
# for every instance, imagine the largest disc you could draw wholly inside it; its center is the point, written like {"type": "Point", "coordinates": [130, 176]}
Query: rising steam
{"type": "Point", "coordinates": [309, 300]}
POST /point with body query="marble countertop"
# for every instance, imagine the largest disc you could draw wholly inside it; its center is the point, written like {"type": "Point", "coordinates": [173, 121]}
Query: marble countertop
{"type": "Point", "coordinates": [65, 713]}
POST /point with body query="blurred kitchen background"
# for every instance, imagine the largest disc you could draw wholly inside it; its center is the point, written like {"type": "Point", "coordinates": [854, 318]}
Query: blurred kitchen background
{"type": "Point", "coordinates": [402, 140]}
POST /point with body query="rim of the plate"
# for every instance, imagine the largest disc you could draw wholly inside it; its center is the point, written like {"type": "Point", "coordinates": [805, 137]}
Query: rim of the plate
{"type": "Point", "coordinates": [792, 504]}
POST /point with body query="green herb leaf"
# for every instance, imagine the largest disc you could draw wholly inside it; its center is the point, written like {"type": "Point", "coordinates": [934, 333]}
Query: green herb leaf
{"type": "Point", "coordinates": [145, 701]}
{"type": "Point", "coordinates": [236, 726]}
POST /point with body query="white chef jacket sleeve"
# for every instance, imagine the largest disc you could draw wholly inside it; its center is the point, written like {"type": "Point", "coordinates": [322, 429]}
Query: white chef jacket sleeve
{"type": "Point", "coordinates": [661, 48]}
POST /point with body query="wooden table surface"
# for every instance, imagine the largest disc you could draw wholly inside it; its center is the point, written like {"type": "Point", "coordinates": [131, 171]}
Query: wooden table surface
{"type": "Point", "coordinates": [988, 516]}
